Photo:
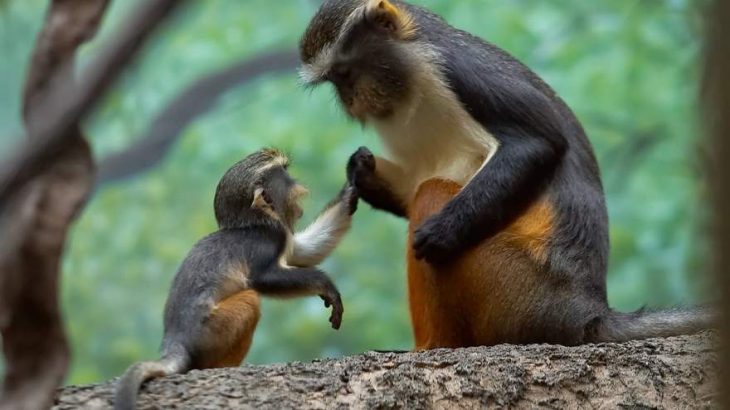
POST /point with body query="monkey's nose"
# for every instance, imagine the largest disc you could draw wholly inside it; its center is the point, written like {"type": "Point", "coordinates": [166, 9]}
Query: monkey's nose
{"type": "Point", "coordinates": [341, 74]}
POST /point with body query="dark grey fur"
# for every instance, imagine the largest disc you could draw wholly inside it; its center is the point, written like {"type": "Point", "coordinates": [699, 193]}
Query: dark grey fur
{"type": "Point", "coordinates": [543, 153]}
{"type": "Point", "coordinates": [248, 236]}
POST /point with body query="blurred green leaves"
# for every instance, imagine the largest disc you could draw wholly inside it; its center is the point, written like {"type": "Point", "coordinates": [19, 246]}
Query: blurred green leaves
{"type": "Point", "coordinates": [627, 67]}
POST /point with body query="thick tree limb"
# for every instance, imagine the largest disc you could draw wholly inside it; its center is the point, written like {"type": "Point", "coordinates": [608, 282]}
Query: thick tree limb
{"type": "Point", "coordinates": [152, 146]}
{"type": "Point", "coordinates": [64, 105]}
{"type": "Point", "coordinates": [658, 373]}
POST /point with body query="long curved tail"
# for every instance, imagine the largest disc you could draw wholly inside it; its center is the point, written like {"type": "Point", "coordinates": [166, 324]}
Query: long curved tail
{"type": "Point", "coordinates": [173, 362]}
{"type": "Point", "coordinates": [644, 324]}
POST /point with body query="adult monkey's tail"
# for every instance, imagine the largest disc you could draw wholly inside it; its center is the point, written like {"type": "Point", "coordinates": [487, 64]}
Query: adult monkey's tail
{"type": "Point", "coordinates": [644, 324]}
{"type": "Point", "coordinates": [173, 361]}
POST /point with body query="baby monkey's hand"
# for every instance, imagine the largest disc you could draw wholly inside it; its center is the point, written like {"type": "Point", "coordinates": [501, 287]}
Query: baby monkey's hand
{"type": "Point", "coordinates": [331, 297]}
{"type": "Point", "coordinates": [349, 197]}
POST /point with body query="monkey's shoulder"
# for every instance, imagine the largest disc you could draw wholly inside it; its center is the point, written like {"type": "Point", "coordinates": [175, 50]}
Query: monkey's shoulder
{"type": "Point", "coordinates": [225, 249]}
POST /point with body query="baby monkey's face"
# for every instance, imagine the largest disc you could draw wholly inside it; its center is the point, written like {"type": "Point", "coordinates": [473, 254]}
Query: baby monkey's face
{"type": "Point", "coordinates": [366, 56]}
{"type": "Point", "coordinates": [297, 193]}
{"type": "Point", "coordinates": [283, 194]}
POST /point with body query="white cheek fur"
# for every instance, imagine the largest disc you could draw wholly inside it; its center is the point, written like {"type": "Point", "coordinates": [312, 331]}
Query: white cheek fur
{"type": "Point", "coordinates": [432, 135]}
{"type": "Point", "coordinates": [315, 71]}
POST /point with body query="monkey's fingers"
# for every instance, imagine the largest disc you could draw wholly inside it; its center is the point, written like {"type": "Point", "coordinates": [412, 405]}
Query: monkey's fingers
{"type": "Point", "coordinates": [336, 317]}
{"type": "Point", "coordinates": [428, 249]}
{"type": "Point", "coordinates": [420, 243]}
{"type": "Point", "coordinates": [350, 197]}
{"type": "Point", "coordinates": [333, 299]}
{"type": "Point", "coordinates": [326, 301]}
{"type": "Point", "coordinates": [361, 162]}
{"type": "Point", "coordinates": [435, 243]}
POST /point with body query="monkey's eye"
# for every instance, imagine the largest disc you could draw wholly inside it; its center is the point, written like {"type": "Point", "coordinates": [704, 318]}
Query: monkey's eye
{"type": "Point", "coordinates": [340, 74]}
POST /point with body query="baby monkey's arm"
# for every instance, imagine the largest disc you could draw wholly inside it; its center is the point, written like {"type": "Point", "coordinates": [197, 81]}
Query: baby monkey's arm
{"type": "Point", "coordinates": [281, 281]}
{"type": "Point", "coordinates": [319, 239]}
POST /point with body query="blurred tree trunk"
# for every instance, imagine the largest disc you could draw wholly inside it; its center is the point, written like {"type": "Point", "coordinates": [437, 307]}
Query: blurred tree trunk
{"type": "Point", "coordinates": [658, 373]}
{"type": "Point", "coordinates": [716, 93]}
{"type": "Point", "coordinates": [45, 184]}
{"type": "Point", "coordinates": [37, 219]}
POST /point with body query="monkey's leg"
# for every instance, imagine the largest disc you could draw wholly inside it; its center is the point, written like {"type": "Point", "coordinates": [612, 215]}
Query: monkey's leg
{"type": "Point", "coordinates": [435, 323]}
{"type": "Point", "coordinates": [292, 282]}
{"type": "Point", "coordinates": [230, 329]}
{"type": "Point", "coordinates": [379, 182]}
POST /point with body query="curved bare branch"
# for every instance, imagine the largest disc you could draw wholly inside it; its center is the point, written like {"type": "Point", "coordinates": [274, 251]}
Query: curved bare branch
{"type": "Point", "coordinates": [64, 105]}
{"type": "Point", "coordinates": [152, 146]}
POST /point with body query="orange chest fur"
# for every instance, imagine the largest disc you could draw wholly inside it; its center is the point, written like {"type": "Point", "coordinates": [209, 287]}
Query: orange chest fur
{"type": "Point", "coordinates": [482, 297]}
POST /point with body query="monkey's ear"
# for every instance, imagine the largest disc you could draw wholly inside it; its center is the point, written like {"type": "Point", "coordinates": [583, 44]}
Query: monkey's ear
{"type": "Point", "coordinates": [259, 199]}
{"type": "Point", "coordinates": [393, 19]}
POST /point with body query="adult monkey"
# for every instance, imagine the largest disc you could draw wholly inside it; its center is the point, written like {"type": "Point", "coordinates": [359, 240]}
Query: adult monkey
{"type": "Point", "coordinates": [495, 173]}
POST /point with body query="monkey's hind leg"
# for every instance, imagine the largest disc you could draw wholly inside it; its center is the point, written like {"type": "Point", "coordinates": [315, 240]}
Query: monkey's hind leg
{"type": "Point", "coordinates": [230, 329]}
{"type": "Point", "coordinates": [431, 290]}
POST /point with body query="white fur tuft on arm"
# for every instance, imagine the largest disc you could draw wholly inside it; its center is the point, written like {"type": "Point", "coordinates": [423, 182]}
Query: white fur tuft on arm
{"type": "Point", "coordinates": [314, 244]}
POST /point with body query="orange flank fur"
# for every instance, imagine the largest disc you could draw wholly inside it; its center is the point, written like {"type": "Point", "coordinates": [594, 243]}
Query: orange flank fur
{"type": "Point", "coordinates": [231, 325]}
{"type": "Point", "coordinates": [482, 298]}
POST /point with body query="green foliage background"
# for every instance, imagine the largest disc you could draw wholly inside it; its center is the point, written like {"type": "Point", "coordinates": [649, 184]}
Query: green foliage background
{"type": "Point", "coordinates": [627, 67]}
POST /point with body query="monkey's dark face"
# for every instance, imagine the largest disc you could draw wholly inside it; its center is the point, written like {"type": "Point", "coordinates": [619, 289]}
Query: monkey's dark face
{"type": "Point", "coordinates": [360, 47]}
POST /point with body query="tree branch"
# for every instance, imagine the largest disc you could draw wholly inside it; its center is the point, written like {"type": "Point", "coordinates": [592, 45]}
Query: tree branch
{"type": "Point", "coordinates": [45, 186]}
{"type": "Point", "coordinates": [152, 146]}
{"type": "Point", "coordinates": [63, 105]}
{"type": "Point", "coordinates": [658, 373]}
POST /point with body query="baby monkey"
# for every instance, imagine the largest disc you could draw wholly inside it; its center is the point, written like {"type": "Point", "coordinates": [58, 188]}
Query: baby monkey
{"type": "Point", "coordinates": [213, 306]}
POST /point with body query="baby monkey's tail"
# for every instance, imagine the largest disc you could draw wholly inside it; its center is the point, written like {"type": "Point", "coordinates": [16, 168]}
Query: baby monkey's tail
{"type": "Point", "coordinates": [172, 362]}
{"type": "Point", "coordinates": [644, 324]}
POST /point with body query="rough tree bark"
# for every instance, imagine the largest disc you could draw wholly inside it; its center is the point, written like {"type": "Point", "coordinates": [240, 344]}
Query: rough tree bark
{"type": "Point", "coordinates": [659, 373]}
